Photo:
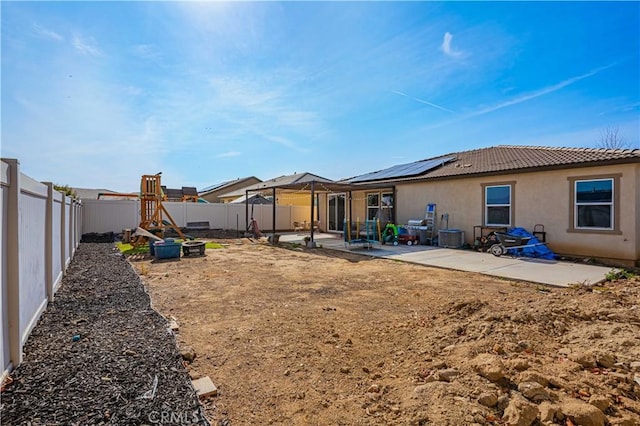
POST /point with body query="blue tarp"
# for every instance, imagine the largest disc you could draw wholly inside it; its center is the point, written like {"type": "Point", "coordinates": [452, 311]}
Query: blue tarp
{"type": "Point", "coordinates": [539, 252]}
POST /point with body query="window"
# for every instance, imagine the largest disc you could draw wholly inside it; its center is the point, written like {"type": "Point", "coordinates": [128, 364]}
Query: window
{"type": "Point", "coordinates": [386, 212]}
{"type": "Point", "coordinates": [593, 206]}
{"type": "Point", "coordinates": [373, 205]}
{"type": "Point", "coordinates": [497, 201]}
{"type": "Point", "coordinates": [380, 206]}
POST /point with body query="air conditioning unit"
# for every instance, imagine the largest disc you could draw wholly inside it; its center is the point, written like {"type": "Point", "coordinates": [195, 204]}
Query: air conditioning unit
{"type": "Point", "coordinates": [450, 238]}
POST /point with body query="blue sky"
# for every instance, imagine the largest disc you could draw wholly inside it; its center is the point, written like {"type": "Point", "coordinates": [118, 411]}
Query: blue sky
{"type": "Point", "coordinates": [97, 94]}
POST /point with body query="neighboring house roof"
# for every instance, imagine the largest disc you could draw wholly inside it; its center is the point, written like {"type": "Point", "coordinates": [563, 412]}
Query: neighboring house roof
{"type": "Point", "coordinates": [512, 159]}
{"type": "Point", "coordinates": [177, 194]}
{"type": "Point", "coordinates": [90, 193]}
{"type": "Point", "coordinates": [253, 199]}
{"type": "Point", "coordinates": [189, 191]}
{"type": "Point", "coordinates": [221, 186]}
{"type": "Point", "coordinates": [296, 178]}
{"type": "Point", "coordinates": [172, 193]}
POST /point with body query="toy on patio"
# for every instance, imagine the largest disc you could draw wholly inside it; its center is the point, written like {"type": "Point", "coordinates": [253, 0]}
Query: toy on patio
{"type": "Point", "coordinates": [366, 235]}
{"type": "Point", "coordinates": [397, 234]}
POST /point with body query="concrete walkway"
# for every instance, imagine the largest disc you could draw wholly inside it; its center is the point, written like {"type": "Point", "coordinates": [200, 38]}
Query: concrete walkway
{"type": "Point", "coordinates": [550, 272]}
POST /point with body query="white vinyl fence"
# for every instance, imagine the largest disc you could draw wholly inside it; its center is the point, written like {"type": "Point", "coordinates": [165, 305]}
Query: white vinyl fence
{"type": "Point", "coordinates": [115, 215]}
{"type": "Point", "coordinates": [40, 232]}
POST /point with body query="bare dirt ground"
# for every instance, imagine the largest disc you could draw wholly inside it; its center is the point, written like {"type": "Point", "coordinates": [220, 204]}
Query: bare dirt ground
{"type": "Point", "coordinates": [297, 337]}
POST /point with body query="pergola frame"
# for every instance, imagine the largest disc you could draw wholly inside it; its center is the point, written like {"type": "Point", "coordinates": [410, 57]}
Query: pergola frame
{"type": "Point", "coordinates": [317, 187]}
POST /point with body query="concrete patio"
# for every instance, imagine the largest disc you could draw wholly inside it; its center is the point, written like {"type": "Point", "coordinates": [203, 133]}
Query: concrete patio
{"type": "Point", "coordinates": [550, 272]}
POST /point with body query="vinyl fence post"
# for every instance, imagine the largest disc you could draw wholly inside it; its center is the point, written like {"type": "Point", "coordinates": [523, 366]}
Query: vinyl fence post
{"type": "Point", "coordinates": [63, 234]}
{"type": "Point", "coordinates": [13, 262]}
{"type": "Point", "coordinates": [70, 230]}
{"type": "Point", "coordinates": [48, 244]}
{"type": "Point", "coordinates": [273, 219]}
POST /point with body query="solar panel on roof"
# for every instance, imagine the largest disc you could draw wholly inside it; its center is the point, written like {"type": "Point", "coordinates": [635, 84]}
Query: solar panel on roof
{"type": "Point", "coordinates": [403, 170]}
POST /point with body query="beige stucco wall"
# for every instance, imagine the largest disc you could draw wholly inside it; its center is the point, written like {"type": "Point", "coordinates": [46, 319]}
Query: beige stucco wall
{"type": "Point", "coordinates": [637, 214]}
{"type": "Point", "coordinates": [538, 198]}
{"type": "Point", "coordinates": [294, 198]}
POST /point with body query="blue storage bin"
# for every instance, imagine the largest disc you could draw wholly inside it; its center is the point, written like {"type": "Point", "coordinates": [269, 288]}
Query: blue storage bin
{"type": "Point", "coordinates": [167, 250]}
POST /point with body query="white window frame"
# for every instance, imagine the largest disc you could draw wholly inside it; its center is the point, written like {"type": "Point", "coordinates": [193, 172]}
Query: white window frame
{"type": "Point", "coordinates": [376, 207]}
{"type": "Point", "coordinates": [382, 210]}
{"type": "Point", "coordinates": [386, 210]}
{"type": "Point", "coordinates": [487, 205]}
{"type": "Point", "coordinates": [610, 203]}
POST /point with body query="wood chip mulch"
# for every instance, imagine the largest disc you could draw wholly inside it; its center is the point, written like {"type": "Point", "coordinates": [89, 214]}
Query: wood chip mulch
{"type": "Point", "coordinates": [100, 354]}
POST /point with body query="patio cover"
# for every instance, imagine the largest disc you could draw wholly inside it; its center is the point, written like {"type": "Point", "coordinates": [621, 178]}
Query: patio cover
{"type": "Point", "coordinates": [314, 185]}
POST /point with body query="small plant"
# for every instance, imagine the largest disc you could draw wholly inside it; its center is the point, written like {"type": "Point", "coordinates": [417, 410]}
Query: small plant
{"type": "Point", "coordinates": [144, 269]}
{"type": "Point", "coordinates": [619, 274]}
{"type": "Point", "coordinates": [583, 285]}
{"type": "Point", "coordinates": [66, 190]}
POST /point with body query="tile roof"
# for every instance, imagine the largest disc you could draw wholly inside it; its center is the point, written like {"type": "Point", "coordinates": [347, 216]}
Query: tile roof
{"type": "Point", "coordinates": [516, 158]}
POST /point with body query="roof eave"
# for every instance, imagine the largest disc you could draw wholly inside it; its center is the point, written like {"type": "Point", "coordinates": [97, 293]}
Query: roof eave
{"type": "Point", "coordinates": [580, 165]}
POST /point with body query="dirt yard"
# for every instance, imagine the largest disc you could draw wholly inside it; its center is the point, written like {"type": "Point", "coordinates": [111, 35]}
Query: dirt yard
{"type": "Point", "coordinates": [298, 337]}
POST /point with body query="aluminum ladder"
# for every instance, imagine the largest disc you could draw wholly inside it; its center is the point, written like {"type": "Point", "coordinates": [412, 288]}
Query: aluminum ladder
{"type": "Point", "coordinates": [430, 222]}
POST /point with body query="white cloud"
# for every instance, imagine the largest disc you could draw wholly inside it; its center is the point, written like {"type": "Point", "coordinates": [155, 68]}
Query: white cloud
{"type": "Point", "coordinates": [446, 46]}
{"type": "Point", "coordinates": [518, 99]}
{"type": "Point", "coordinates": [86, 46]}
{"type": "Point", "coordinates": [422, 101]}
{"type": "Point", "coordinates": [538, 93]}
{"type": "Point", "coordinates": [46, 33]}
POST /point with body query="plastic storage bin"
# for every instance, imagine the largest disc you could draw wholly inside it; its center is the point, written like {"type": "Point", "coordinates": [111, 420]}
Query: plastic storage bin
{"type": "Point", "coordinates": [167, 249]}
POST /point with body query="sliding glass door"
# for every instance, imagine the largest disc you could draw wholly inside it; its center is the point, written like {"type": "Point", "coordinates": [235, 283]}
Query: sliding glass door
{"type": "Point", "coordinates": [336, 212]}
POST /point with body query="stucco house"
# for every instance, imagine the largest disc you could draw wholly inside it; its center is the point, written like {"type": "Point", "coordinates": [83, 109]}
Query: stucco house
{"type": "Point", "coordinates": [91, 193]}
{"type": "Point", "coordinates": [587, 200]}
{"type": "Point", "coordinates": [212, 193]}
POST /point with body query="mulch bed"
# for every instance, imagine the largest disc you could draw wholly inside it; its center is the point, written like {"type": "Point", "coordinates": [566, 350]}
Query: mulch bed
{"type": "Point", "coordinates": [108, 374]}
